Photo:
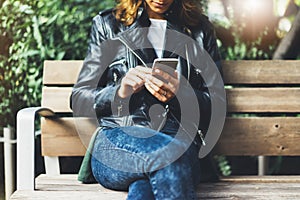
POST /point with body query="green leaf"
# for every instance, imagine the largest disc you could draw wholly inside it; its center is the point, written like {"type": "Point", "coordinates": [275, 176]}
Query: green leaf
{"type": "Point", "coordinates": [36, 32]}
{"type": "Point", "coordinates": [60, 55]}
{"type": "Point", "coordinates": [29, 53]}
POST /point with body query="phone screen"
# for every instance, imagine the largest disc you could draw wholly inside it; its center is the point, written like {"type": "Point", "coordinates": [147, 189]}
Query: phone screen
{"type": "Point", "coordinates": [165, 64]}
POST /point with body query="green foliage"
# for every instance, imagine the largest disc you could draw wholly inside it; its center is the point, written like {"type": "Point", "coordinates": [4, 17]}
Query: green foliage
{"type": "Point", "coordinates": [243, 50]}
{"type": "Point", "coordinates": [223, 165]}
{"type": "Point", "coordinates": [32, 31]}
{"type": "Point", "coordinates": [244, 34]}
{"type": "Point", "coordinates": [275, 168]}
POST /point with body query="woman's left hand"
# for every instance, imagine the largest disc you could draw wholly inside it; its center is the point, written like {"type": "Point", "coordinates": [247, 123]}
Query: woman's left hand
{"type": "Point", "coordinates": [162, 85]}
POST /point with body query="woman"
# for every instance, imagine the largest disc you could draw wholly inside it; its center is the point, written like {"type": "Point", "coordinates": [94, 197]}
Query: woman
{"type": "Point", "coordinates": [146, 144]}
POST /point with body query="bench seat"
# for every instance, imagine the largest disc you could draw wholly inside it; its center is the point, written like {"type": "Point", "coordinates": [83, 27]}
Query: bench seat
{"type": "Point", "coordinates": [263, 120]}
{"type": "Point", "coordinates": [243, 187]}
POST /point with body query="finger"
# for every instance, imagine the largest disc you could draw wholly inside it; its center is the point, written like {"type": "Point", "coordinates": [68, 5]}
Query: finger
{"type": "Point", "coordinates": [173, 79]}
{"type": "Point", "coordinates": [140, 72]}
{"type": "Point", "coordinates": [142, 69]}
{"type": "Point", "coordinates": [173, 83]}
{"type": "Point", "coordinates": [155, 87]}
{"type": "Point", "coordinates": [156, 81]}
{"type": "Point", "coordinates": [135, 78]}
{"type": "Point", "coordinates": [134, 72]}
{"type": "Point", "coordinates": [164, 91]}
{"type": "Point", "coordinates": [159, 96]}
{"type": "Point", "coordinates": [132, 81]}
{"type": "Point", "coordinates": [158, 85]}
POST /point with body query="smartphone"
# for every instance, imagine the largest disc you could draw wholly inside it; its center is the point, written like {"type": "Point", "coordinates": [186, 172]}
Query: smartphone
{"type": "Point", "coordinates": [165, 64]}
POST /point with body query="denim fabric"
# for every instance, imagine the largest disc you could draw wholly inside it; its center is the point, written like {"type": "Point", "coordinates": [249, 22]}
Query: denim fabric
{"type": "Point", "coordinates": [136, 159]}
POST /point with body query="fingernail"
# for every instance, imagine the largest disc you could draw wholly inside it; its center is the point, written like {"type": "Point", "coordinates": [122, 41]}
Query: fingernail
{"type": "Point", "coordinates": [157, 70]}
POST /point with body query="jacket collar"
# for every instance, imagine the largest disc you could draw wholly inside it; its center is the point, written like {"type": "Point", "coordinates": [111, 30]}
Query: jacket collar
{"type": "Point", "coordinates": [142, 21]}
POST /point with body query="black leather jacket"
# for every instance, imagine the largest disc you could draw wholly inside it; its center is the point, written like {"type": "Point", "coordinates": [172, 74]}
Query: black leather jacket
{"type": "Point", "coordinates": [114, 49]}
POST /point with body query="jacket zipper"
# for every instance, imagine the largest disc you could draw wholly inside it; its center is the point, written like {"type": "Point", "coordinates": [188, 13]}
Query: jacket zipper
{"type": "Point", "coordinates": [166, 107]}
{"type": "Point", "coordinates": [199, 132]}
{"type": "Point", "coordinates": [201, 137]}
{"type": "Point", "coordinates": [164, 118]}
{"type": "Point", "coordinates": [121, 40]}
{"type": "Point", "coordinates": [120, 107]}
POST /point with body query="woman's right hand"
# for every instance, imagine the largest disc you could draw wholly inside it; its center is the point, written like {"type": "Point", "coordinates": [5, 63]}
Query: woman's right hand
{"type": "Point", "coordinates": [133, 81]}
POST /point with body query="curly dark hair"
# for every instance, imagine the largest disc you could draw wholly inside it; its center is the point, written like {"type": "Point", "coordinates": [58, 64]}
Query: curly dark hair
{"type": "Point", "coordinates": [190, 10]}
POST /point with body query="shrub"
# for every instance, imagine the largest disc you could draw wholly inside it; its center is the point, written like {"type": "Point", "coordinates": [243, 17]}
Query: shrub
{"type": "Point", "coordinates": [32, 31]}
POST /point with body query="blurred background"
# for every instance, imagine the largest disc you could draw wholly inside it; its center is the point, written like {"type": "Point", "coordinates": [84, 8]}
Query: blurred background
{"type": "Point", "coordinates": [32, 31]}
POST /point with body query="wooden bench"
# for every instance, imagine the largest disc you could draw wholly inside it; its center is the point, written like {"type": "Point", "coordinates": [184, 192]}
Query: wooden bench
{"type": "Point", "coordinates": [263, 104]}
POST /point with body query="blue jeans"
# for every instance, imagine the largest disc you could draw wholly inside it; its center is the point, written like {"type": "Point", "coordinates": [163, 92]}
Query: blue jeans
{"type": "Point", "coordinates": [146, 163]}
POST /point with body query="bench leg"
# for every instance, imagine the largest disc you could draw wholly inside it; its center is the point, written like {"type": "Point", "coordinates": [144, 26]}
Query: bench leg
{"type": "Point", "coordinates": [52, 165]}
{"type": "Point", "coordinates": [25, 148]}
{"type": "Point", "coordinates": [262, 165]}
{"type": "Point", "coordinates": [9, 161]}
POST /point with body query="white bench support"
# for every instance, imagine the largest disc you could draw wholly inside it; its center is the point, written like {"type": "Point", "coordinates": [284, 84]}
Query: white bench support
{"type": "Point", "coordinates": [52, 165]}
{"type": "Point", "coordinates": [9, 160]}
{"type": "Point", "coordinates": [25, 146]}
{"type": "Point", "coordinates": [262, 165]}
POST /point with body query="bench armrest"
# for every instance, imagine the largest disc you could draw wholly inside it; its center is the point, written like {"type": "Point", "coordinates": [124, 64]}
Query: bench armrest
{"type": "Point", "coordinates": [25, 145]}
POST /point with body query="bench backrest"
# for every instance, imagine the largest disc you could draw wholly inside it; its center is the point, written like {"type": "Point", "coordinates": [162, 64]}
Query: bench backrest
{"type": "Point", "coordinates": [263, 109]}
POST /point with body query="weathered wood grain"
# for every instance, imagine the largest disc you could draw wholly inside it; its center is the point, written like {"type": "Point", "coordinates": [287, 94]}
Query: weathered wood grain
{"type": "Point", "coordinates": [74, 195]}
{"type": "Point", "coordinates": [57, 99]}
{"type": "Point", "coordinates": [261, 72]}
{"type": "Point", "coordinates": [63, 72]}
{"type": "Point", "coordinates": [235, 72]}
{"type": "Point", "coordinates": [66, 136]}
{"type": "Point", "coordinates": [260, 136]}
{"type": "Point", "coordinates": [240, 136]}
{"type": "Point", "coordinates": [241, 100]}
{"type": "Point", "coordinates": [263, 100]}
{"type": "Point", "coordinates": [66, 186]}
{"type": "Point", "coordinates": [261, 179]}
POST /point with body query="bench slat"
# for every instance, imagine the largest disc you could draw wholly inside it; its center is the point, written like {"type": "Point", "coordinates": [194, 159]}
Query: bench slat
{"type": "Point", "coordinates": [261, 72]}
{"type": "Point", "coordinates": [63, 72]}
{"type": "Point", "coordinates": [60, 137]}
{"type": "Point", "coordinates": [207, 192]}
{"type": "Point", "coordinates": [66, 186]}
{"type": "Point", "coordinates": [262, 179]}
{"type": "Point", "coordinates": [235, 72]}
{"type": "Point", "coordinates": [260, 136]}
{"type": "Point", "coordinates": [74, 195]}
{"type": "Point", "coordinates": [57, 99]}
{"type": "Point", "coordinates": [262, 100]}
{"type": "Point", "coordinates": [245, 100]}
{"type": "Point", "coordinates": [241, 136]}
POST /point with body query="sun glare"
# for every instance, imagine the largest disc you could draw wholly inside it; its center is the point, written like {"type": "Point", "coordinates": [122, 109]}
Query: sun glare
{"type": "Point", "coordinates": [281, 6]}
{"type": "Point", "coordinates": [253, 5]}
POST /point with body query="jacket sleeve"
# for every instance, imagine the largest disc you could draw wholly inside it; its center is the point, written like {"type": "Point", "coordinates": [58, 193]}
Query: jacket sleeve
{"type": "Point", "coordinates": [92, 83]}
{"type": "Point", "coordinates": [205, 80]}
{"type": "Point", "coordinates": [211, 46]}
